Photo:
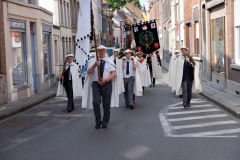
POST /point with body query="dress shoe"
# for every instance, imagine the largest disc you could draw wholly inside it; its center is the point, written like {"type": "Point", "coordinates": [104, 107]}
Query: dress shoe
{"type": "Point", "coordinates": [185, 105]}
{"type": "Point", "coordinates": [131, 106]}
{"type": "Point", "coordinates": [69, 108]}
{"type": "Point", "coordinates": [73, 107]}
{"type": "Point", "coordinates": [97, 126]}
{"type": "Point", "coordinates": [188, 105]}
{"type": "Point", "coordinates": [104, 126]}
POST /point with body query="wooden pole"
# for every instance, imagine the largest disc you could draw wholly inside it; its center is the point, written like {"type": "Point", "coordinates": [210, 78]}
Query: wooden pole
{"type": "Point", "coordinates": [95, 40]}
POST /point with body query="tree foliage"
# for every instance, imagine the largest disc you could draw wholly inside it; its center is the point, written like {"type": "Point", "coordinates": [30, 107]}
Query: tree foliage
{"type": "Point", "coordinates": [116, 4]}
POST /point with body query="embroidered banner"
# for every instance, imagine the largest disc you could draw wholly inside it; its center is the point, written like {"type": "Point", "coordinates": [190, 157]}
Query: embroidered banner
{"type": "Point", "coordinates": [146, 37]}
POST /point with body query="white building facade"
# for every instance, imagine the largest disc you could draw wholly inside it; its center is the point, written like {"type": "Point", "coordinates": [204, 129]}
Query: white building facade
{"type": "Point", "coordinates": [29, 48]}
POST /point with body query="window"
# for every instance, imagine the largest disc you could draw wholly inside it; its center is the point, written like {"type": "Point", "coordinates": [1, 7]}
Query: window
{"type": "Point", "coordinates": [237, 45]}
{"type": "Point", "coordinates": [197, 38]}
{"type": "Point", "coordinates": [19, 72]}
{"type": "Point", "coordinates": [217, 45]}
{"type": "Point", "coordinates": [47, 54]}
{"type": "Point", "coordinates": [32, 2]}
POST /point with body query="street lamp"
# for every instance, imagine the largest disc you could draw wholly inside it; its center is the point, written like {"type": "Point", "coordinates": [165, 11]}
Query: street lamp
{"type": "Point", "coordinates": [108, 13]}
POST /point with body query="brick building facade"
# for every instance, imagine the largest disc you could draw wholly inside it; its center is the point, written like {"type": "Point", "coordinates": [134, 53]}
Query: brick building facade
{"type": "Point", "coordinates": [3, 68]}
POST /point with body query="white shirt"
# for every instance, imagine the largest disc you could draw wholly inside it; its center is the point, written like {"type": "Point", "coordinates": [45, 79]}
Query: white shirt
{"type": "Point", "coordinates": [131, 71]}
{"type": "Point", "coordinates": [108, 68]}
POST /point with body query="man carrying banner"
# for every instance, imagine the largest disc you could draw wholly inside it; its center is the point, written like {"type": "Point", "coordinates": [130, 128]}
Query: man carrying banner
{"type": "Point", "coordinates": [102, 89]}
{"type": "Point", "coordinates": [71, 82]}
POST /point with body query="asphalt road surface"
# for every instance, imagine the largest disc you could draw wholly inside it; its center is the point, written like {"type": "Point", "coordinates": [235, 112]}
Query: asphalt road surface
{"type": "Point", "coordinates": [157, 129]}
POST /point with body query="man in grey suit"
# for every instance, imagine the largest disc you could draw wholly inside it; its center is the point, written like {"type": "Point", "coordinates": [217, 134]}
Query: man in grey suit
{"type": "Point", "coordinates": [102, 87]}
{"type": "Point", "coordinates": [129, 68]}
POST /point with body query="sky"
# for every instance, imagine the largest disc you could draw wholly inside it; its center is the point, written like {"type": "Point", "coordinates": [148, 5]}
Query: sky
{"type": "Point", "coordinates": [145, 2]}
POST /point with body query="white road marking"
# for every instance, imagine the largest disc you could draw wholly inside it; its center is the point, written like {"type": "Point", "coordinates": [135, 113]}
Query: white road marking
{"type": "Point", "coordinates": [196, 101]}
{"type": "Point", "coordinates": [196, 117]}
{"type": "Point", "coordinates": [204, 124]}
{"type": "Point", "coordinates": [194, 106]}
{"type": "Point", "coordinates": [211, 133]}
{"type": "Point", "coordinates": [190, 112]}
{"type": "Point", "coordinates": [171, 131]}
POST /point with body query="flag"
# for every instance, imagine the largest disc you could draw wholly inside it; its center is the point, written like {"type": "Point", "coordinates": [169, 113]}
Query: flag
{"type": "Point", "coordinates": [83, 34]}
{"type": "Point", "coordinates": [144, 14]}
{"type": "Point", "coordinates": [146, 37]}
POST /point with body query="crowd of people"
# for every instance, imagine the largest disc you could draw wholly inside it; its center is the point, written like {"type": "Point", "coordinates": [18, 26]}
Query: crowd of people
{"type": "Point", "coordinates": [128, 72]}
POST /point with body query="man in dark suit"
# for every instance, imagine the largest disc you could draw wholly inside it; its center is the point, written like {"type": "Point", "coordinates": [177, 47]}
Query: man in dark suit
{"type": "Point", "coordinates": [187, 78]}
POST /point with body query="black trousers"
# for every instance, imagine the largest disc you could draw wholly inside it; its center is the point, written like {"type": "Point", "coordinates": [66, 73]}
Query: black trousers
{"type": "Point", "coordinates": [151, 75]}
{"type": "Point", "coordinates": [187, 90]}
{"type": "Point", "coordinates": [105, 93]}
{"type": "Point", "coordinates": [69, 91]}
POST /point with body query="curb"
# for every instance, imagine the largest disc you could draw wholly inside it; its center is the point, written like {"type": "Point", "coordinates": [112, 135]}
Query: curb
{"type": "Point", "coordinates": [227, 107]}
{"type": "Point", "coordinates": [26, 106]}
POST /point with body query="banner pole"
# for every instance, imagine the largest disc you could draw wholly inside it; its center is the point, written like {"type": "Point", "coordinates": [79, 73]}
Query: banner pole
{"type": "Point", "coordinates": [95, 40]}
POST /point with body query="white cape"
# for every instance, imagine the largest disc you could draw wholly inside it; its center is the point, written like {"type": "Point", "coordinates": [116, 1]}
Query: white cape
{"type": "Point", "coordinates": [119, 75]}
{"type": "Point", "coordinates": [196, 87]}
{"type": "Point", "coordinates": [156, 68]}
{"type": "Point", "coordinates": [87, 89]}
{"type": "Point", "coordinates": [172, 72]}
{"type": "Point", "coordinates": [76, 82]}
{"type": "Point", "coordinates": [144, 73]}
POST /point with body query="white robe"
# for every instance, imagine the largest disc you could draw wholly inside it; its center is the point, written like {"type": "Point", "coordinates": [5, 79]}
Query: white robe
{"type": "Point", "coordinates": [137, 88]}
{"type": "Point", "coordinates": [144, 73]}
{"type": "Point", "coordinates": [172, 72]}
{"type": "Point", "coordinates": [156, 68]}
{"type": "Point", "coordinates": [76, 82]}
{"type": "Point", "coordinates": [196, 87]}
{"type": "Point", "coordinates": [119, 74]}
{"type": "Point", "coordinates": [87, 90]}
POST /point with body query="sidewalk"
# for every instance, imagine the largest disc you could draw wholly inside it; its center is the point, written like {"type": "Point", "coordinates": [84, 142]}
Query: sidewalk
{"type": "Point", "coordinates": [227, 101]}
{"type": "Point", "coordinates": [10, 109]}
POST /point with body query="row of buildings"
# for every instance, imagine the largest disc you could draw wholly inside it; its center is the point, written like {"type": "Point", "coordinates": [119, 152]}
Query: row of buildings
{"type": "Point", "coordinates": [210, 29]}
{"type": "Point", "coordinates": [35, 37]}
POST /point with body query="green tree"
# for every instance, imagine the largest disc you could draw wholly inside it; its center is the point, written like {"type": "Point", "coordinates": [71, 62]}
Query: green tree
{"type": "Point", "coordinates": [116, 4]}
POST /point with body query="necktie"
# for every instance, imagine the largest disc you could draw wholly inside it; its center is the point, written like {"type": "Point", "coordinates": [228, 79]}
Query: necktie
{"type": "Point", "coordinates": [102, 63]}
{"type": "Point", "coordinates": [127, 69]}
{"type": "Point", "coordinates": [114, 60]}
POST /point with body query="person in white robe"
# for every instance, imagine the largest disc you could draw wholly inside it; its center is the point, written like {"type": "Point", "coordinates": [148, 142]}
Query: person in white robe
{"type": "Point", "coordinates": [118, 63]}
{"type": "Point", "coordinates": [71, 82]}
{"type": "Point", "coordinates": [101, 89]}
{"type": "Point", "coordinates": [187, 77]}
{"type": "Point", "coordinates": [143, 70]}
{"type": "Point", "coordinates": [172, 70]}
{"type": "Point", "coordinates": [155, 68]}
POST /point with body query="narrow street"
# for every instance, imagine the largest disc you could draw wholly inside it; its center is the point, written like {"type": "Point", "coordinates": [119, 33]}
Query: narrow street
{"type": "Point", "coordinates": [157, 129]}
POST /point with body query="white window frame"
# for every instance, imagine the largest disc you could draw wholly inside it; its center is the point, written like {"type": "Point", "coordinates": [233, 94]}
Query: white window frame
{"type": "Point", "coordinates": [237, 45]}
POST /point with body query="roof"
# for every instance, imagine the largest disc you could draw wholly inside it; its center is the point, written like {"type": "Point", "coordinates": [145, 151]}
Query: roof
{"type": "Point", "coordinates": [122, 15]}
{"type": "Point", "coordinates": [135, 10]}
{"type": "Point", "coordinates": [118, 18]}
